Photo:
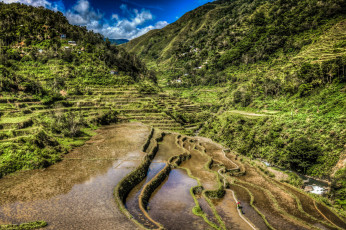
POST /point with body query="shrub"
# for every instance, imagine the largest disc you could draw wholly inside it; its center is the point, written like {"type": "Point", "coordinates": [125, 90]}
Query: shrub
{"type": "Point", "coordinates": [69, 124]}
{"type": "Point", "coordinates": [294, 180]}
{"type": "Point", "coordinates": [303, 153]}
{"type": "Point", "coordinates": [146, 88]}
{"type": "Point", "coordinates": [42, 140]}
{"type": "Point", "coordinates": [107, 118]}
{"type": "Point", "coordinates": [50, 99]}
{"type": "Point", "coordinates": [338, 188]}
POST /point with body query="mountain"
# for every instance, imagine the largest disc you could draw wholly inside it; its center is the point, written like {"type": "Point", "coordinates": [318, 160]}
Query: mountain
{"type": "Point", "coordinates": [118, 41]}
{"type": "Point", "coordinates": [274, 73]}
{"type": "Point", "coordinates": [225, 34]}
{"type": "Point", "coordinates": [52, 78]}
{"type": "Point", "coordinates": [29, 34]}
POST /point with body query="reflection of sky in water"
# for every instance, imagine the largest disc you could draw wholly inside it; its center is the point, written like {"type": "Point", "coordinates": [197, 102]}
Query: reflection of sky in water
{"type": "Point", "coordinates": [172, 203]}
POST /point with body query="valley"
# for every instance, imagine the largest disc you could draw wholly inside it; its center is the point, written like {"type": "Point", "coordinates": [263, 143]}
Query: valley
{"type": "Point", "coordinates": [231, 117]}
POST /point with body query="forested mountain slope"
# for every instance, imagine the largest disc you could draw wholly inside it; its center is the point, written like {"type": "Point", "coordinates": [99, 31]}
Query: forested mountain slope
{"type": "Point", "coordinates": [52, 78]}
{"type": "Point", "coordinates": [40, 37]}
{"type": "Point", "coordinates": [224, 34]}
{"type": "Point", "coordinates": [275, 73]}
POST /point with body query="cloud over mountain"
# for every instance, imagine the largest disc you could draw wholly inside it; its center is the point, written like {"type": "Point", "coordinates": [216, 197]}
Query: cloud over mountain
{"type": "Point", "coordinates": [130, 24]}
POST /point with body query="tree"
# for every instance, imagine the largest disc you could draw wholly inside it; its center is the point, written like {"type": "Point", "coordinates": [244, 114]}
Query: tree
{"type": "Point", "coordinates": [302, 153]}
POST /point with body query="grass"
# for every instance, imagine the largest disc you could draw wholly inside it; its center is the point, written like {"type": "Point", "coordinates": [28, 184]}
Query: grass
{"type": "Point", "coordinates": [140, 105]}
{"type": "Point", "coordinates": [24, 226]}
{"type": "Point", "coordinates": [14, 119]}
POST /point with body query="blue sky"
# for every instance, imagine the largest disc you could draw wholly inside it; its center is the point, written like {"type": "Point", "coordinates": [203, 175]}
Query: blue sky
{"type": "Point", "coordinates": [119, 18]}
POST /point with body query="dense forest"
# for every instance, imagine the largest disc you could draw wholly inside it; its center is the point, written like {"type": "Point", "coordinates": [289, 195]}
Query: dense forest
{"type": "Point", "coordinates": [225, 34]}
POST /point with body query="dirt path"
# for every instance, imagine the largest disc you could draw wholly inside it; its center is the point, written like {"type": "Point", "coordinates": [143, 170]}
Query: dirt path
{"type": "Point", "coordinates": [247, 113]}
{"type": "Point", "coordinates": [77, 193]}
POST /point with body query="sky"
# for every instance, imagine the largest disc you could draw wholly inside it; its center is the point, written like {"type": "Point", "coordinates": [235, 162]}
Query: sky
{"type": "Point", "coordinates": [119, 19]}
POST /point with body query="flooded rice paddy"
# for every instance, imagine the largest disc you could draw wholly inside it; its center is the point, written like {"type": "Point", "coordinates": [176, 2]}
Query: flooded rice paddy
{"type": "Point", "coordinates": [172, 203]}
{"type": "Point", "coordinates": [77, 193]}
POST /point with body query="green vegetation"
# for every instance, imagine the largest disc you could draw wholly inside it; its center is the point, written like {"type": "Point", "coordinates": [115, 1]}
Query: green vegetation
{"type": "Point", "coordinates": [206, 46]}
{"type": "Point", "coordinates": [48, 68]}
{"type": "Point", "coordinates": [266, 78]}
{"type": "Point", "coordinates": [272, 74]}
{"type": "Point", "coordinates": [25, 226]}
{"type": "Point", "coordinates": [339, 188]}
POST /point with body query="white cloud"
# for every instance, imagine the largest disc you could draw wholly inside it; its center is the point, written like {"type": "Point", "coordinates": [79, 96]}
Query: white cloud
{"type": "Point", "coordinates": [82, 13]}
{"type": "Point", "coordinates": [30, 2]}
{"type": "Point", "coordinates": [129, 27]}
{"type": "Point", "coordinates": [115, 17]}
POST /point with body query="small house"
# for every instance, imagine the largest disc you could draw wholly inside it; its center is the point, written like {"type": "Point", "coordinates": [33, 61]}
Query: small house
{"type": "Point", "coordinates": [179, 81]}
{"type": "Point", "coordinates": [63, 36]}
{"type": "Point", "coordinates": [72, 43]}
{"type": "Point", "coordinates": [113, 72]}
{"type": "Point", "coordinates": [40, 51]}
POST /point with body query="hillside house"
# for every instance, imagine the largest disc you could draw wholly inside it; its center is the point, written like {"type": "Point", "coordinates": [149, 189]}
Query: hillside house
{"type": "Point", "coordinates": [179, 81]}
{"type": "Point", "coordinates": [63, 36]}
{"type": "Point", "coordinates": [72, 43]}
{"type": "Point", "coordinates": [114, 72]}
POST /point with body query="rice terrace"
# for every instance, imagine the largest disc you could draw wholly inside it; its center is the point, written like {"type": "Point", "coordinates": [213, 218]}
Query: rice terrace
{"type": "Point", "coordinates": [177, 115]}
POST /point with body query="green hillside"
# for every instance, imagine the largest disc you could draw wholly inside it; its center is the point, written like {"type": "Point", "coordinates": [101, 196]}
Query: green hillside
{"type": "Point", "coordinates": [265, 78]}
{"type": "Point", "coordinates": [59, 83]}
{"type": "Point", "coordinates": [48, 69]}
{"type": "Point", "coordinates": [274, 72]}
{"type": "Point", "coordinates": [226, 34]}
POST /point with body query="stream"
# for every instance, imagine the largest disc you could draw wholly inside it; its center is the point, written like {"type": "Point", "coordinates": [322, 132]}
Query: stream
{"type": "Point", "coordinates": [311, 185]}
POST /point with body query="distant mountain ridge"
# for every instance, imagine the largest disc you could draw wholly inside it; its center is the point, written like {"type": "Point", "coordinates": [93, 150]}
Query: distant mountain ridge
{"type": "Point", "coordinates": [118, 41]}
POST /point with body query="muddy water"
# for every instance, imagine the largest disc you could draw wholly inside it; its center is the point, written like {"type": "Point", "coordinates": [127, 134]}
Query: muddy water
{"type": "Point", "coordinates": [77, 193]}
{"type": "Point", "coordinates": [227, 209]}
{"type": "Point", "coordinates": [171, 204]}
{"type": "Point", "coordinates": [167, 149]}
{"type": "Point", "coordinates": [132, 203]}
{"type": "Point", "coordinates": [197, 167]}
